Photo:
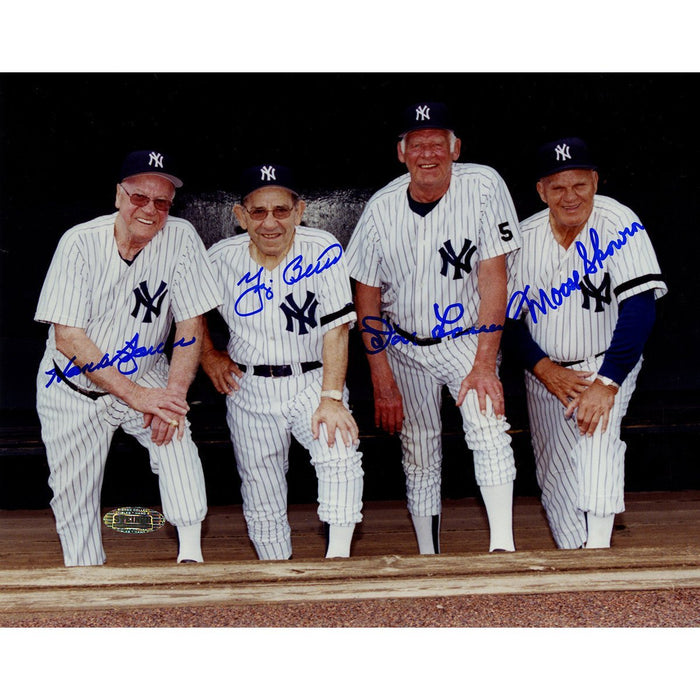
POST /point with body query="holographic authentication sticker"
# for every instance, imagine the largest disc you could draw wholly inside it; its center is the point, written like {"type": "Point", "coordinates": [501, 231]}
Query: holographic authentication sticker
{"type": "Point", "coordinates": [134, 520]}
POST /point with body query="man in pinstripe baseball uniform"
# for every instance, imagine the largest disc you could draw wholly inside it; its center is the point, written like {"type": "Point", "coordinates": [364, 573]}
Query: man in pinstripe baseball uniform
{"type": "Point", "coordinates": [428, 257]}
{"type": "Point", "coordinates": [585, 282]}
{"type": "Point", "coordinates": [288, 306]}
{"type": "Point", "coordinates": [113, 289]}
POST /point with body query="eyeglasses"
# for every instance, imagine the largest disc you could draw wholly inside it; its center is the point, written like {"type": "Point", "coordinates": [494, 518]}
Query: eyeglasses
{"type": "Point", "coordinates": [140, 200]}
{"type": "Point", "coordinates": [260, 213]}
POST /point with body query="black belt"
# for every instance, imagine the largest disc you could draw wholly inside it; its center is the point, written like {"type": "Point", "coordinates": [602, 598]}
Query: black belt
{"type": "Point", "coordinates": [94, 395]}
{"type": "Point", "coordinates": [577, 362]}
{"type": "Point", "coordinates": [280, 370]}
{"type": "Point", "coordinates": [417, 341]}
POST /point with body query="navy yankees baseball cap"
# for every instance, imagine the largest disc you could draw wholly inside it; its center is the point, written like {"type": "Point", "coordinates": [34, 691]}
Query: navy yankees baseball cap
{"type": "Point", "coordinates": [267, 175]}
{"type": "Point", "coordinates": [571, 153]}
{"type": "Point", "coordinates": [426, 115]}
{"type": "Point", "coordinates": [149, 162]}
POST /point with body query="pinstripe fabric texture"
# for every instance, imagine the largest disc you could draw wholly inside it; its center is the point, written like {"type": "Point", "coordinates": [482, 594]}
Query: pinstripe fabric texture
{"type": "Point", "coordinates": [266, 412]}
{"type": "Point", "coordinates": [261, 332]}
{"type": "Point", "coordinates": [579, 474]}
{"type": "Point", "coordinates": [582, 325]}
{"type": "Point", "coordinates": [418, 262]}
{"type": "Point", "coordinates": [262, 416]}
{"type": "Point", "coordinates": [576, 474]}
{"type": "Point", "coordinates": [420, 375]}
{"type": "Point", "coordinates": [90, 287]}
{"type": "Point", "coordinates": [396, 249]}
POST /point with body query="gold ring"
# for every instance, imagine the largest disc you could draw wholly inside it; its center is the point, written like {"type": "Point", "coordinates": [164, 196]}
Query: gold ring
{"type": "Point", "coordinates": [174, 423]}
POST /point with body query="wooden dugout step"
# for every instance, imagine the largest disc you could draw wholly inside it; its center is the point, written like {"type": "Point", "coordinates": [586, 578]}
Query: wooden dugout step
{"type": "Point", "coordinates": [309, 580]}
{"type": "Point", "coordinates": [656, 545]}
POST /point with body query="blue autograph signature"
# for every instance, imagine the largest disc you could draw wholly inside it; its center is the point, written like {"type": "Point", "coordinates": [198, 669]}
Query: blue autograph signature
{"type": "Point", "coordinates": [381, 338]}
{"type": "Point", "coordinates": [295, 271]}
{"type": "Point", "coordinates": [256, 292]}
{"type": "Point", "coordinates": [592, 262]}
{"type": "Point", "coordinates": [254, 296]}
{"type": "Point", "coordinates": [124, 359]}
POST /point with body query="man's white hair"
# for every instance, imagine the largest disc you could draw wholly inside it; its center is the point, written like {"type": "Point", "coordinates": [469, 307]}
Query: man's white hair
{"type": "Point", "coordinates": [453, 139]}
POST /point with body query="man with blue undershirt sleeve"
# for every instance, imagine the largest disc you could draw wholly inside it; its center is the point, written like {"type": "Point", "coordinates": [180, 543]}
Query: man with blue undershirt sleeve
{"type": "Point", "coordinates": [585, 284]}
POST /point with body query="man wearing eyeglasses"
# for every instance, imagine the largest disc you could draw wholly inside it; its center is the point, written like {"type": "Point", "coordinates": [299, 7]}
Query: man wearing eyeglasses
{"type": "Point", "coordinates": [112, 292]}
{"type": "Point", "coordinates": [288, 306]}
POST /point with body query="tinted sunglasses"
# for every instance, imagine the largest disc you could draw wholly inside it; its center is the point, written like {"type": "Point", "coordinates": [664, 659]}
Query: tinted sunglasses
{"type": "Point", "coordinates": [140, 200]}
{"type": "Point", "coordinates": [259, 213]}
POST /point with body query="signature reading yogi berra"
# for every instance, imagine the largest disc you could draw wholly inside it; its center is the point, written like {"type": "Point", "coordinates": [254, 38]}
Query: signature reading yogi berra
{"type": "Point", "coordinates": [284, 368]}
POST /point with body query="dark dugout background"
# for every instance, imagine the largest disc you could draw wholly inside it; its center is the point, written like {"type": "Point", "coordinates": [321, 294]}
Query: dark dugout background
{"type": "Point", "coordinates": [64, 135]}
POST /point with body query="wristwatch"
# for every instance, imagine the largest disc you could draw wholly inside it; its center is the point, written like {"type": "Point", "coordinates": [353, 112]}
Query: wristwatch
{"type": "Point", "coordinates": [332, 394]}
{"type": "Point", "coordinates": [608, 382]}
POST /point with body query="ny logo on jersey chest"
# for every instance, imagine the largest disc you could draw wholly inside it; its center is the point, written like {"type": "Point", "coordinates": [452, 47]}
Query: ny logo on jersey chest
{"type": "Point", "coordinates": [305, 314]}
{"type": "Point", "coordinates": [460, 261]}
{"type": "Point", "coordinates": [151, 304]}
{"type": "Point", "coordinates": [601, 294]}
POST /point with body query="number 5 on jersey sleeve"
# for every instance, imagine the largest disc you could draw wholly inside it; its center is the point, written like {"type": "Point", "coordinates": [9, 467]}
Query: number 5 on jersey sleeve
{"type": "Point", "coordinates": [506, 233]}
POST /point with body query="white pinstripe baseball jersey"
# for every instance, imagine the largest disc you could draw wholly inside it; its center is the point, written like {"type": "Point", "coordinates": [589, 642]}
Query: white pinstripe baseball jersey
{"type": "Point", "coordinates": [427, 270]}
{"type": "Point", "coordinates": [421, 261]}
{"type": "Point", "coordinates": [89, 286]}
{"type": "Point", "coordinates": [127, 311]}
{"type": "Point", "coordinates": [280, 316]}
{"type": "Point", "coordinates": [570, 322]}
{"type": "Point", "coordinates": [570, 300]}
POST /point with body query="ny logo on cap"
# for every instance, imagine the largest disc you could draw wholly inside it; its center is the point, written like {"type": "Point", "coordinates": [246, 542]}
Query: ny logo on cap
{"type": "Point", "coordinates": [423, 113]}
{"type": "Point", "coordinates": [155, 159]}
{"type": "Point", "coordinates": [562, 152]}
{"type": "Point", "coordinates": [267, 172]}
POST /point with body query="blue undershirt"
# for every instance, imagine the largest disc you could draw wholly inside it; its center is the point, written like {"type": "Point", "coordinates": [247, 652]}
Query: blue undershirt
{"type": "Point", "coordinates": [421, 208]}
{"type": "Point", "coordinates": [634, 323]}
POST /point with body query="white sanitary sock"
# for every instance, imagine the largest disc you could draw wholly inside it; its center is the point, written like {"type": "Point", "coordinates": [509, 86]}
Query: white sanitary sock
{"type": "Point", "coordinates": [189, 537]}
{"type": "Point", "coordinates": [339, 540]}
{"type": "Point", "coordinates": [499, 509]}
{"type": "Point", "coordinates": [427, 529]}
{"type": "Point", "coordinates": [599, 530]}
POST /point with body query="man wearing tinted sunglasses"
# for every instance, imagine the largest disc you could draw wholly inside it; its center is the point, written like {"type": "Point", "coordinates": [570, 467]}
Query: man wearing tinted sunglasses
{"type": "Point", "coordinates": [112, 292]}
{"type": "Point", "coordinates": [288, 306]}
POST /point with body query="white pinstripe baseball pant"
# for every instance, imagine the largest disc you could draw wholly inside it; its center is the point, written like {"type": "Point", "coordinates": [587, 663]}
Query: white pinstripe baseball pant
{"type": "Point", "coordinates": [577, 474]}
{"type": "Point", "coordinates": [262, 417]}
{"type": "Point", "coordinates": [420, 373]}
{"type": "Point", "coordinates": [77, 433]}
